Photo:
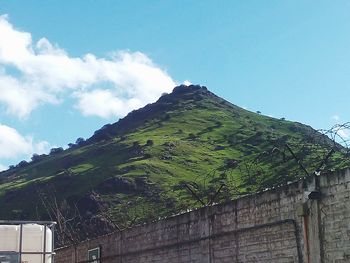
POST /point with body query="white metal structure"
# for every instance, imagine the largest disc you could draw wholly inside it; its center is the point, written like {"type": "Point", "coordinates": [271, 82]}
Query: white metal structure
{"type": "Point", "coordinates": [26, 242]}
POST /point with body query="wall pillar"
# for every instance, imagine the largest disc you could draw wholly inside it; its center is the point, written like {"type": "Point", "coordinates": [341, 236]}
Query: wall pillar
{"type": "Point", "coordinates": [313, 232]}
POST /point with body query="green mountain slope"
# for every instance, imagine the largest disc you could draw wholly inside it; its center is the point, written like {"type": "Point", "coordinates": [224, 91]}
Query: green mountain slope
{"type": "Point", "coordinates": [144, 166]}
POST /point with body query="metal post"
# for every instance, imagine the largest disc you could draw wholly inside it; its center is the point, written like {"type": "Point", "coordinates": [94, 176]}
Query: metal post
{"type": "Point", "coordinates": [53, 242]}
{"type": "Point", "coordinates": [20, 242]}
{"type": "Point", "coordinates": [44, 255]}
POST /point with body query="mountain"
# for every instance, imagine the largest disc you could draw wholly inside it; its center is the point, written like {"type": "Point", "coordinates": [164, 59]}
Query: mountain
{"type": "Point", "coordinates": [189, 148]}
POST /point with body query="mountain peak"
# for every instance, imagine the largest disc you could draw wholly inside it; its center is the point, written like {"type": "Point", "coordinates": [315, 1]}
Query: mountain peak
{"type": "Point", "coordinates": [184, 92]}
{"type": "Point", "coordinates": [188, 88]}
{"type": "Point", "coordinates": [167, 102]}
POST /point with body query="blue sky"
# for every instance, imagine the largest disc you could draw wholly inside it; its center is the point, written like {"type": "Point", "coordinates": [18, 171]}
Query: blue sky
{"type": "Point", "coordinates": [69, 67]}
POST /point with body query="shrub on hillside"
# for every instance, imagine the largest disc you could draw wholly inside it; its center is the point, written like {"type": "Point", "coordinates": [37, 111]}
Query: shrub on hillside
{"type": "Point", "coordinates": [192, 136]}
{"type": "Point", "coordinates": [37, 157]}
{"type": "Point", "coordinates": [56, 150]}
{"type": "Point", "coordinates": [149, 142]}
{"type": "Point", "coordinates": [80, 141]}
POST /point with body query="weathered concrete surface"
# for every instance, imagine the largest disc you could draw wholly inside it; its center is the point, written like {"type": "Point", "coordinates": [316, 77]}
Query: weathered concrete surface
{"type": "Point", "coordinates": [281, 225]}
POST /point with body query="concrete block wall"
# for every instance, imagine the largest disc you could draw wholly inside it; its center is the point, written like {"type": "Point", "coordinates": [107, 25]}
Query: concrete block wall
{"type": "Point", "coordinates": [281, 225]}
{"type": "Point", "coordinates": [335, 217]}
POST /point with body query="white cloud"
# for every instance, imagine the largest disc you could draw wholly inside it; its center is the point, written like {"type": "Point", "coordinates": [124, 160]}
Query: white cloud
{"type": "Point", "coordinates": [14, 145]}
{"type": "Point", "coordinates": [3, 167]}
{"type": "Point", "coordinates": [21, 97]}
{"type": "Point", "coordinates": [335, 117]}
{"type": "Point", "coordinates": [38, 73]}
{"type": "Point", "coordinates": [90, 103]}
{"type": "Point", "coordinates": [344, 133]}
{"type": "Point", "coordinates": [187, 83]}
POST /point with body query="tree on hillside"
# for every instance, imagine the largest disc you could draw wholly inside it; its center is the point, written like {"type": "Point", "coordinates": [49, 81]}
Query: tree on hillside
{"type": "Point", "coordinates": [56, 150]}
{"type": "Point", "coordinates": [80, 141]}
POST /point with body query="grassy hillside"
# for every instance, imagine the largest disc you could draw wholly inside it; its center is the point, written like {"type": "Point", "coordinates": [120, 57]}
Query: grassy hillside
{"type": "Point", "coordinates": [136, 169]}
